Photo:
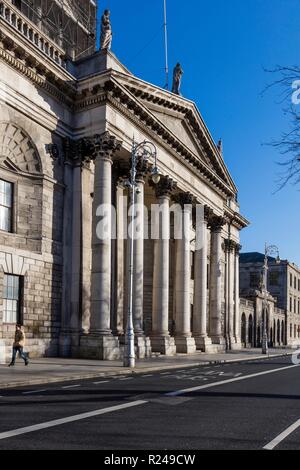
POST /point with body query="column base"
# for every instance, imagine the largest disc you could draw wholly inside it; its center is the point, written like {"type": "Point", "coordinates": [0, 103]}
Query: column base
{"type": "Point", "coordinates": [100, 347]}
{"type": "Point", "coordinates": [185, 345]}
{"type": "Point", "coordinates": [164, 345]}
{"type": "Point", "coordinates": [237, 346]}
{"type": "Point", "coordinates": [203, 343]}
{"type": "Point", "coordinates": [218, 340]}
{"type": "Point", "coordinates": [142, 347]}
{"type": "Point", "coordinates": [230, 343]}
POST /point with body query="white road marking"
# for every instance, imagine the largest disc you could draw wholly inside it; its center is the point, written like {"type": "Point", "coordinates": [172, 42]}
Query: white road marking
{"type": "Point", "coordinates": [71, 386]}
{"type": "Point", "coordinates": [165, 373]}
{"type": "Point", "coordinates": [69, 419]}
{"type": "Point", "coordinates": [101, 382]}
{"type": "Point", "coordinates": [127, 378]}
{"type": "Point", "coordinates": [34, 391]}
{"type": "Point", "coordinates": [223, 382]}
{"type": "Point", "coordinates": [282, 436]}
{"type": "Point", "coordinates": [148, 375]}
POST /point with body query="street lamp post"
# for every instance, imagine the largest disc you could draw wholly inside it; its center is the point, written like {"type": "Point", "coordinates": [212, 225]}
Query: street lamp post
{"type": "Point", "coordinates": [140, 153]}
{"type": "Point", "coordinates": [269, 250]}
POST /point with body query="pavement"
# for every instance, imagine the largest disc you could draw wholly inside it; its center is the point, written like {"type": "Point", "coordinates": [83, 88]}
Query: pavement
{"type": "Point", "coordinates": [48, 370]}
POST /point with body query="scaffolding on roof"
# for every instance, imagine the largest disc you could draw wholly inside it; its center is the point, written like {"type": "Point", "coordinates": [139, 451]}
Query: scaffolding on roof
{"type": "Point", "coordinates": [71, 24]}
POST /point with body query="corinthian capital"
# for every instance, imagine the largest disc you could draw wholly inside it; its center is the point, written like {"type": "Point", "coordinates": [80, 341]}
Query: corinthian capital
{"type": "Point", "coordinates": [165, 187]}
{"type": "Point", "coordinates": [105, 145]}
{"type": "Point", "coordinates": [238, 248]}
{"type": "Point", "coordinates": [208, 213]}
{"type": "Point", "coordinates": [184, 198]}
{"type": "Point", "coordinates": [229, 245]}
{"type": "Point", "coordinates": [216, 223]}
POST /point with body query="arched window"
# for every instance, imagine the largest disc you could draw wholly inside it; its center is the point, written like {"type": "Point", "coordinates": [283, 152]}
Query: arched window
{"type": "Point", "coordinates": [278, 332]}
{"type": "Point", "coordinates": [17, 150]}
{"type": "Point", "coordinates": [20, 174]}
{"type": "Point", "coordinates": [250, 330]}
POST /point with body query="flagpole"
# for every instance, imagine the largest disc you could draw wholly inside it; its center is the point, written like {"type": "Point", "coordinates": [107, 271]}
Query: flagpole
{"type": "Point", "coordinates": [166, 45]}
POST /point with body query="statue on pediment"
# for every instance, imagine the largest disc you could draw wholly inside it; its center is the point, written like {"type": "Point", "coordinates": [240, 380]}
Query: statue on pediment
{"type": "Point", "coordinates": [177, 75]}
{"type": "Point", "coordinates": [106, 31]}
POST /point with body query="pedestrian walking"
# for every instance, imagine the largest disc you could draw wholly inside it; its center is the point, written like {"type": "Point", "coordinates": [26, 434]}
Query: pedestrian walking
{"type": "Point", "coordinates": [18, 346]}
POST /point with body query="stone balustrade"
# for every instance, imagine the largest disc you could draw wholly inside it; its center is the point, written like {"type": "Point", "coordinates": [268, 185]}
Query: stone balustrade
{"type": "Point", "coordinates": [24, 26]}
{"type": "Point", "coordinates": [246, 303]}
{"type": "Point", "coordinates": [279, 311]}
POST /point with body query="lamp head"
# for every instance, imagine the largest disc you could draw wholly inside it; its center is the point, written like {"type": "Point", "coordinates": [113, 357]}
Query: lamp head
{"type": "Point", "coordinates": [155, 176]}
{"type": "Point", "coordinates": [278, 260]}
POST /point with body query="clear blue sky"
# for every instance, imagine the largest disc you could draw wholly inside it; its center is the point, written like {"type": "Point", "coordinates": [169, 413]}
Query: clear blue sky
{"type": "Point", "coordinates": [224, 46]}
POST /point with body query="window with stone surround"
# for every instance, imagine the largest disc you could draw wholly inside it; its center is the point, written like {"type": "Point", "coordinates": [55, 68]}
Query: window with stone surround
{"type": "Point", "coordinates": [12, 297]}
{"type": "Point", "coordinates": [6, 205]}
{"type": "Point", "coordinates": [274, 278]}
{"type": "Point", "coordinates": [254, 280]}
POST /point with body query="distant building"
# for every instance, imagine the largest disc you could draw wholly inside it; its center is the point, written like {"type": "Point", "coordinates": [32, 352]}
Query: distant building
{"type": "Point", "coordinates": [284, 289]}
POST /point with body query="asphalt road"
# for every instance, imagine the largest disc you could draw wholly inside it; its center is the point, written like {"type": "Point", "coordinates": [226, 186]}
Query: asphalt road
{"type": "Point", "coordinates": [232, 406]}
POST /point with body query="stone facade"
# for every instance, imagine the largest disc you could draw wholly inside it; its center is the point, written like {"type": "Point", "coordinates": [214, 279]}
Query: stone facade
{"type": "Point", "coordinates": [283, 286]}
{"type": "Point", "coordinates": [251, 321]}
{"type": "Point", "coordinates": [65, 145]}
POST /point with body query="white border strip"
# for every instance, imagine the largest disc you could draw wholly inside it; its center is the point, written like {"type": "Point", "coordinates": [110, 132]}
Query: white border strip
{"type": "Point", "coordinates": [70, 419]}
{"type": "Point", "coordinates": [282, 436]}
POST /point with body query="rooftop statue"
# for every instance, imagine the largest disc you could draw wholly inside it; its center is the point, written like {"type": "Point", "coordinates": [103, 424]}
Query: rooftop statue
{"type": "Point", "coordinates": [106, 32]}
{"type": "Point", "coordinates": [177, 75]}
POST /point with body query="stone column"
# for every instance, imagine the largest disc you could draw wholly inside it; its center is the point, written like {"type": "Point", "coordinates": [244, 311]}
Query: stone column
{"type": "Point", "coordinates": [161, 340]}
{"type": "Point", "coordinates": [121, 209]}
{"type": "Point", "coordinates": [216, 334]}
{"type": "Point", "coordinates": [76, 280]}
{"type": "Point", "coordinates": [183, 339]}
{"type": "Point", "coordinates": [237, 327]}
{"type": "Point", "coordinates": [65, 338]}
{"type": "Point", "coordinates": [203, 342]}
{"type": "Point", "coordinates": [230, 331]}
{"type": "Point", "coordinates": [100, 343]}
{"type": "Point", "coordinates": [86, 250]}
{"type": "Point", "coordinates": [76, 257]}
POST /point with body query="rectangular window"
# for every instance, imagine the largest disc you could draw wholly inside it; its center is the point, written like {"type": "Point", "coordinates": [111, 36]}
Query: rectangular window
{"type": "Point", "coordinates": [274, 278]}
{"type": "Point", "coordinates": [12, 299]}
{"type": "Point", "coordinates": [254, 280]}
{"type": "Point", "coordinates": [291, 280]}
{"type": "Point", "coordinates": [6, 204]}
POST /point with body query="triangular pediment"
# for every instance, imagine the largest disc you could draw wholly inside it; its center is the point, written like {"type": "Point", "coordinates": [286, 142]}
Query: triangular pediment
{"type": "Point", "coordinates": [179, 126]}
{"type": "Point", "coordinates": [178, 121]}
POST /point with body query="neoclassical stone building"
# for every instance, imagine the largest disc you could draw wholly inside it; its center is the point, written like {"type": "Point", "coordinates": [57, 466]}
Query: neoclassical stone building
{"type": "Point", "coordinates": [284, 295]}
{"type": "Point", "coordinates": [66, 131]}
